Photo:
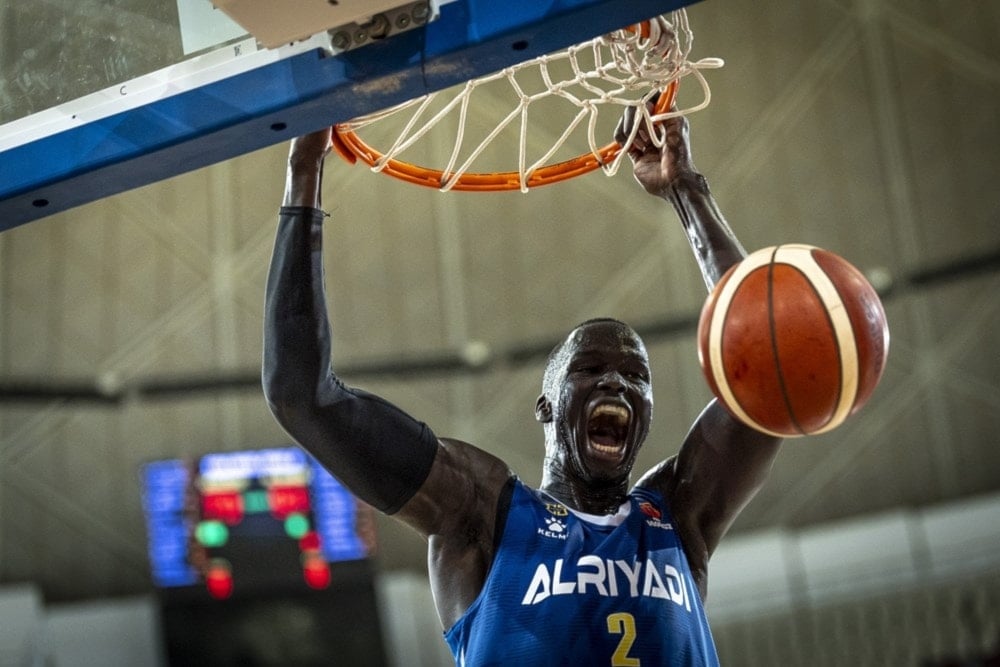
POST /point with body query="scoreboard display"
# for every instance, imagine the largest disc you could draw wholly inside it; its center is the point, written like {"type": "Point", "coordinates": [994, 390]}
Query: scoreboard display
{"type": "Point", "coordinates": [254, 521]}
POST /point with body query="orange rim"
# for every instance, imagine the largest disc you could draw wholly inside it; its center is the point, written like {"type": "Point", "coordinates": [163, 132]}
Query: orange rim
{"type": "Point", "coordinates": [352, 148]}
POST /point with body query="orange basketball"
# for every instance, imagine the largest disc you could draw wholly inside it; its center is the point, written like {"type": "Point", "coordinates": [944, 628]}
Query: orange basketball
{"type": "Point", "coordinates": [793, 340]}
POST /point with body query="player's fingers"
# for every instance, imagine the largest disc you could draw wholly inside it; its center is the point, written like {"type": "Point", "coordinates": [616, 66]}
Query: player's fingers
{"type": "Point", "coordinates": [642, 150]}
{"type": "Point", "coordinates": [624, 127]}
{"type": "Point", "coordinates": [640, 143]}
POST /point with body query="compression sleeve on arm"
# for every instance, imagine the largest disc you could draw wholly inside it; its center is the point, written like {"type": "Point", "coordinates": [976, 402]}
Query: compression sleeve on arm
{"type": "Point", "coordinates": [375, 449]}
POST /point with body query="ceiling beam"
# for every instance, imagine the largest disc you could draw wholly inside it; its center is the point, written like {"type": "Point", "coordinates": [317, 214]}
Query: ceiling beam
{"type": "Point", "coordinates": [443, 363]}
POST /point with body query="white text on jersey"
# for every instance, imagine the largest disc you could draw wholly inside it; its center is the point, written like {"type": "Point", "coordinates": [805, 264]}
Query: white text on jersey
{"type": "Point", "coordinates": [609, 578]}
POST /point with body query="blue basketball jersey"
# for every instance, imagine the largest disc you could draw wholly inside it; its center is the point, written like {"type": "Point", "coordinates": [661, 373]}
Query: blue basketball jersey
{"type": "Point", "coordinates": [567, 588]}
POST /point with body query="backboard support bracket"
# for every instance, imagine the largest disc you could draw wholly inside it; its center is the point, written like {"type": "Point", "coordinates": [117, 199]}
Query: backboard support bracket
{"type": "Point", "coordinates": [352, 23]}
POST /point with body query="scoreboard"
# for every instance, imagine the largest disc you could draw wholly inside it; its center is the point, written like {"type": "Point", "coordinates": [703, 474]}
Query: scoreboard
{"type": "Point", "coordinates": [250, 521]}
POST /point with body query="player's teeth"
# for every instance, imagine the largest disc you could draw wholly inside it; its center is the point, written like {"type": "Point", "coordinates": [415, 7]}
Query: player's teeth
{"type": "Point", "coordinates": [616, 411]}
{"type": "Point", "coordinates": [607, 449]}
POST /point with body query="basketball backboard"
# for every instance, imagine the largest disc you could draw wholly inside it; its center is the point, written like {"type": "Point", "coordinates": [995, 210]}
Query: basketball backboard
{"type": "Point", "coordinates": [107, 100]}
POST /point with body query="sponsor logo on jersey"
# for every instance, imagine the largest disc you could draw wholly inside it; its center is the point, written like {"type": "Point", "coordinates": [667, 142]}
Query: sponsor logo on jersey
{"type": "Point", "coordinates": [556, 509]}
{"type": "Point", "coordinates": [650, 510]}
{"type": "Point", "coordinates": [593, 575]}
{"type": "Point", "coordinates": [554, 528]}
{"type": "Point", "coordinates": [654, 514]}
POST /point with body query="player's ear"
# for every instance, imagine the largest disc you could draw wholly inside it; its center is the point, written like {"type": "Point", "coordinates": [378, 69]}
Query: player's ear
{"type": "Point", "coordinates": [543, 409]}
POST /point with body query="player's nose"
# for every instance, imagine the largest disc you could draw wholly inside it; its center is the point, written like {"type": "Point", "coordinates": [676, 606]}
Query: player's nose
{"type": "Point", "coordinates": [613, 381]}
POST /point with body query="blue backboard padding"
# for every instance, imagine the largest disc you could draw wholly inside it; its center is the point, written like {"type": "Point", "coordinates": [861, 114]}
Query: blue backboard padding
{"type": "Point", "coordinates": [290, 97]}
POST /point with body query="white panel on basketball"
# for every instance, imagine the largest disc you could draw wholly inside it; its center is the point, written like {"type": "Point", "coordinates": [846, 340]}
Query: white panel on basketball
{"type": "Point", "coordinates": [746, 267]}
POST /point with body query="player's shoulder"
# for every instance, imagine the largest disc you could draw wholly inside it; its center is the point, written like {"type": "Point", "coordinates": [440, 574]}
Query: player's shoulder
{"type": "Point", "coordinates": [461, 467]}
{"type": "Point", "coordinates": [462, 489]}
{"type": "Point", "coordinates": [660, 478]}
{"type": "Point", "coordinates": [472, 458]}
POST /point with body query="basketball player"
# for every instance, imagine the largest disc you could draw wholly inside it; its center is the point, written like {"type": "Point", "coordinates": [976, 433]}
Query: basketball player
{"type": "Point", "coordinates": [586, 569]}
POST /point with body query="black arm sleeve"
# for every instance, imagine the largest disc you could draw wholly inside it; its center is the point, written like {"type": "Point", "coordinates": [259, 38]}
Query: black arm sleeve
{"type": "Point", "coordinates": [375, 449]}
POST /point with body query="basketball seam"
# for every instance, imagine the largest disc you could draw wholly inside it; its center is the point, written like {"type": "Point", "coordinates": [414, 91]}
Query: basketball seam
{"type": "Point", "coordinates": [772, 326]}
{"type": "Point", "coordinates": [830, 296]}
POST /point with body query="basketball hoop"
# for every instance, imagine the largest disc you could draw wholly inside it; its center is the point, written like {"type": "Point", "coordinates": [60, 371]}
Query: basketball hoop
{"type": "Point", "coordinates": [625, 68]}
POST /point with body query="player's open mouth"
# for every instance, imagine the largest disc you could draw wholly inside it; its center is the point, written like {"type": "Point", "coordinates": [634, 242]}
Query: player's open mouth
{"type": "Point", "coordinates": [607, 428]}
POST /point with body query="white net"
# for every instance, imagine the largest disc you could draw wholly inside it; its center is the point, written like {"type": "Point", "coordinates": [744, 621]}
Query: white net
{"type": "Point", "coordinates": [626, 68]}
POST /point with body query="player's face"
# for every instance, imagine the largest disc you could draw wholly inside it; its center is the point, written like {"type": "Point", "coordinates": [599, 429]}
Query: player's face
{"type": "Point", "coordinates": [605, 400]}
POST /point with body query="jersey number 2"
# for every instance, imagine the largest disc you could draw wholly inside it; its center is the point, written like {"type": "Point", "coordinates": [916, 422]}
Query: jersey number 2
{"type": "Point", "coordinates": [622, 623]}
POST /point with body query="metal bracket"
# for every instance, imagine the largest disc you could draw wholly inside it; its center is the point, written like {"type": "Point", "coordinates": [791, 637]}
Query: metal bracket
{"type": "Point", "coordinates": [382, 25]}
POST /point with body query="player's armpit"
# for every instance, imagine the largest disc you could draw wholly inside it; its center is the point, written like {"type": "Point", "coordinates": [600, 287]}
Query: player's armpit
{"type": "Point", "coordinates": [720, 467]}
{"type": "Point", "coordinates": [461, 509]}
{"type": "Point", "coordinates": [458, 500]}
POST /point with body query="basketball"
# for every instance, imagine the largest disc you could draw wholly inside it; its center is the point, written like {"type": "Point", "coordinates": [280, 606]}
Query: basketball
{"type": "Point", "coordinates": [793, 340]}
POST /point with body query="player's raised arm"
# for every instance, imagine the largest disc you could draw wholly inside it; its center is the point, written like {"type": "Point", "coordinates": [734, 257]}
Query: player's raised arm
{"type": "Point", "coordinates": [447, 490]}
{"type": "Point", "coordinates": [376, 450]}
{"type": "Point", "coordinates": [722, 463]}
{"type": "Point", "coordinates": [669, 173]}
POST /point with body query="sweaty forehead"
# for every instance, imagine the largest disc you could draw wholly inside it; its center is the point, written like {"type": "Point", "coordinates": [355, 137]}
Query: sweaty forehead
{"type": "Point", "coordinates": [604, 337]}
